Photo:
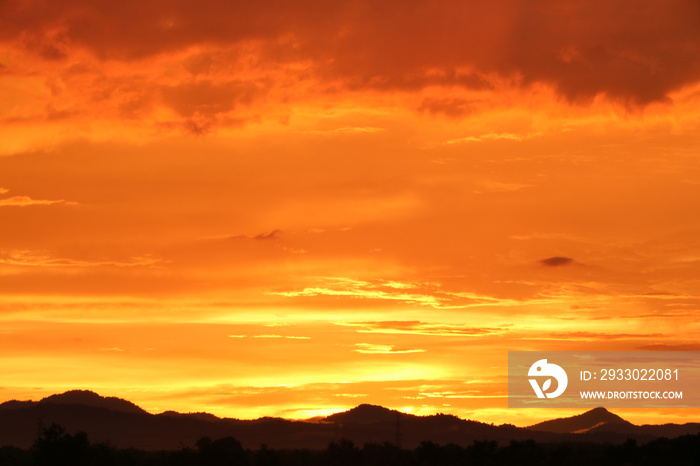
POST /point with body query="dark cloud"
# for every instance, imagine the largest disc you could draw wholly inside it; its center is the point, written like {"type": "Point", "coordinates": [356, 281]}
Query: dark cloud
{"type": "Point", "coordinates": [207, 98]}
{"type": "Point", "coordinates": [131, 29]}
{"type": "Point", "coordinates": [204, 105]}
{"type": "Point", "coordinates": [450, 107]}
{"type": "Point", "coordinates": [557, 261]}
{"type": "Point", "coordinates": [632, 51]}
{"type": "Point", "coordinates": [273, 235]}
{"type": "Point", "coordinates": [197, 128]}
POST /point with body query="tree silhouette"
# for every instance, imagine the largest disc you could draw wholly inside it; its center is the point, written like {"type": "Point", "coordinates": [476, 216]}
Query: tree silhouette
{"type": "Point", "coordinates": [57, 448]}
{"type": "Point", "coordinates": [267, 457]}
{"type": "Point", "coordinates": [482, 452]}
{"type": "Point", "coordinates": [386, 454]}
{"type": "Point", "coordinates": [13, 456]}
{"type": "Point", "coordinates": [343, 453]}
{"type": "Point", "coordinates": [225, 451]}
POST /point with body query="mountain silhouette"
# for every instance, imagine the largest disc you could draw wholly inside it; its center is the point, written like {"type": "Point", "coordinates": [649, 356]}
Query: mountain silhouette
{"type": "Point", "coordinates": [201, 416]}
{"type": "Point", "coordinates": [365, 414]}
{"type": "Point", "coordinates": [595, 418]}
{"type": "Point", "coordinates": [79, 397]}
{"type": "Point", "coordinates": [125, 425]}
{"type": "Point", "coordinates": [88, 398]}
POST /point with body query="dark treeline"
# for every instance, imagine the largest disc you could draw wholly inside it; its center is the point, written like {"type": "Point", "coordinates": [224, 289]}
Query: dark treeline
{"type": "Point", "coordinates": [56, 447]}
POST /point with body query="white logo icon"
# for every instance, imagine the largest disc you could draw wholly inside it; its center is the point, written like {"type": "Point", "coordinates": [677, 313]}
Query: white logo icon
{"type": "Point", "coordinates": [542, 369]}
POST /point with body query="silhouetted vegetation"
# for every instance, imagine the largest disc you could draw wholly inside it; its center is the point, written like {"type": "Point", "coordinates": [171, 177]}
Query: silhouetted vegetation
{"type": "Point", "coordinates": [56, 447]}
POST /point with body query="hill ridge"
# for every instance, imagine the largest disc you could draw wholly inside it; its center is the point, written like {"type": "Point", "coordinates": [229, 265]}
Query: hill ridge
{"type": "Point", "coordinates": [124, 424]}
{"type": "Point", "coordinates": [92, 399]}
{"type": "Point", "coordinates": [595, 418]}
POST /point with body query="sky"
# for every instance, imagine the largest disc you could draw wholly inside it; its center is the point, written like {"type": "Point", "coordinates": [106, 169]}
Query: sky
{"type": "Point", "coordinates": [287, 208]}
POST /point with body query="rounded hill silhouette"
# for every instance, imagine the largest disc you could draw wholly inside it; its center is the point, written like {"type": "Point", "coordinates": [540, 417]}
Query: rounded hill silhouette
{"type": "Point", "coordinates": [365, 413]}
{"type": "Point", "coordinates": [92, 399]}
{"type": "Point", "coordinates": [594, 418]}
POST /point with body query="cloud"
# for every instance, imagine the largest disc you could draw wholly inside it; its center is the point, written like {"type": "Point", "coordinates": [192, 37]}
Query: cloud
{"type": "Point", "coordinates": [635, 52]}
{"type": "Point", "coordinates": [423, 328]}
{"type": "Point", "coordinates": [204, 104]}
{"type": "Point", "coordinates": [418, 293]}
{"type": "Point", "coordinates": [450, 107]}
{"type": "Point", "coordinates": [556, 261]}
{"type": "Point", "coordinates": [492, 137]}
{"type": "Point", "coordinates": [23, 201]}
{"type": "Point", "coordinates": [208, 98]}
{"type": "Point", "coordinates": [369, 348]}
{"type": "Point", "coordinates": [581, 49]}
{"type": "Point", "coordinates": [290, 337]}
{"type": "Point", "coordinates": [596, 336]}
{"type": "Point", "coordinates": [361, 292]}
{"type": "Point", "coordinates": [273, 235]}
{"type": "Point", "coordinates": [28, 258]}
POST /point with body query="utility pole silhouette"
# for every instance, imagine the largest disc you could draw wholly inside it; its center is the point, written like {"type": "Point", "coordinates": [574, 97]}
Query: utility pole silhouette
{"type": "Point", "coordinates": [39, 427]}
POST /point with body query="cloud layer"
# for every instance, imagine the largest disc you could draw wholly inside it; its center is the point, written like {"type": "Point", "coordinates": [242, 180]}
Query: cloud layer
{"type": "Point", "coordinates": [636, 52]}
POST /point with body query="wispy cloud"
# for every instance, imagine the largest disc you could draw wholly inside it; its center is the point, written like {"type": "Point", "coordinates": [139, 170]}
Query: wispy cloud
{"type": "Point", "coordinates": [27, 258]}
{"type": "Point", "coordinates": [384, 290]}
{"type": "Point", "coordinates": [24, 201]}
{"type": "Point", "coordinates": [423, 328]}
{"type": "Point", "coordinates": [369, 348]}
{"type": "Point", "coordinates": [273, 235]}
{"type": "Point", "coordinates": [592, 336]}
{"type": "Point", "coordinates": [420, 293]}
{"type": "Point", "coordinates": [367, 294]}
{"type": "Point", "coordinates": [268, 335]}
{"type": "Point", "coordinates": [493, 137]}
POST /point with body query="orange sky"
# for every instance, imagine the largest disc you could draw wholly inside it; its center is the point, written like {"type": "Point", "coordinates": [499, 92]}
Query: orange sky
{"type": "Point", "coordinates": [293, 209]}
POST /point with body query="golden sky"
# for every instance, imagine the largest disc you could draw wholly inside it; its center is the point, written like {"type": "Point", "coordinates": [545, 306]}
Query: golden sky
{"type": "Point", "coordinates": [291, 208]}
